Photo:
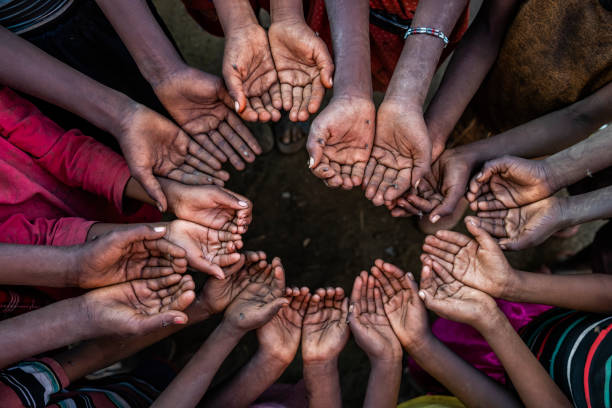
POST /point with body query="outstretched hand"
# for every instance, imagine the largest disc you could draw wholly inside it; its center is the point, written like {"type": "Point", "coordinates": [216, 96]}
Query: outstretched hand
{"type": "Point", "coordinates": [509, 182]}
{"type": "Point", "coordinates": [477, 262]}
{"type": "Point", "coordinates": [140, 306]}
{"type": "Point", "coordinates": [401, 156]}
{"type": "Point", "coordinates": [250, 74]}
{"type": "Point", "coordinates": [120, 256]}
{"type": "Point", "coordinates": [340, 141]}
{"type": "Point", "coordinates": [200, 104]}
{"type": "Point", "coordinates": [304, 67]}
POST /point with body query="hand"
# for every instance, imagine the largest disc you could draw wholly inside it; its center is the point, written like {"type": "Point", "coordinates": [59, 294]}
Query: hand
{"type": "Point", "coordinates": [523, 227]}
{"type": "Point", "coordinates": [417, 202]}
{"type": "Point", "coordinates": [121, 256]}
{"type": "Point", "coordinates": [340, 141]}
{"type": "Point", "coordinates": [280, 337]}
{"type": "Point", "coordinates": [325, 331]}
{"type": "Point", "coordinates": [151, 144]}
{"type": "Point", "coordinates": [250, 75]}
{"type": "Point", "coordinates": [218, 293]}
{"type": "Point", "coordinates": [403, 307]}
{"type": "Point", "coordinates": [207, 249]}
{"type": "Point", "coordinates": [401, 156]}
{"type": "Point", "coordinates": [369, 324]}
{"type": "Point", "coordinates": [210, 206]}
{"type": "Point", "coordinates": [510, 182]}
{"type": "Point", "coordinates": [478, 262]}
{"type": "Point", "coordinates": [452, 299]}
{"type": "Point", "coordinates": [304, 67]}
{"type": "Point", "coordinates": [259, 301]}
{"type": "Point", "coordinates": [199, 102]}
{"type": "Point", "coordinates": [141, 306]}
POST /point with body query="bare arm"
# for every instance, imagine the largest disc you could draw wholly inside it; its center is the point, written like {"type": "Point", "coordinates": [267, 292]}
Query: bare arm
{"type": "Point", "coordinates": [322, 381]}
{"type": "Point", "coordinates": [37, 265]}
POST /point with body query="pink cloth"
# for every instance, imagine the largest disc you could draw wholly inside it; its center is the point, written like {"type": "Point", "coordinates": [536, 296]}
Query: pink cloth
{"type": "Point", "coordinates": [53, 183]}
{"type": "Point", "coordinates": [471, 346]}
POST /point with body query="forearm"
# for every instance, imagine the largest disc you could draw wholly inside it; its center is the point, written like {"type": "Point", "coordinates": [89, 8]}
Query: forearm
{"type": "Point", "coordinates": [52, 327]}
{"type": "Point", "coordinates": [349, 24]}
{"type": "Point", "coordinates": [283, 10]}
{"type": "Point", "coordinates": [147, 43]}
{"type": "Point", "coordinates": [470, 64]}
{"type": "Point", "coordinates": [589, 292]}
{"type": "Point", "coordinates": [421, 53]}
{"type": "Point", "coordinates": [465, 382]}
{"type": "Point", "coordinates": [383, 384]}
{"type": "Point", "coordinates": [531, 381]}
{"type": "Point", "coordinates": [322, 382]}
{"type": "Point", "coordinates": [101, 228]}
{"type": "Point", "coordinates": [234, 14]}
{"type": "Point", "coordinates": [253, 379]}
{"type": "Point", "coordinates": [39, 265]}
{"type": "Point", "coordinates": [581, 160]}
{"type": "Point", "coordinates": [191, 383]}
{"type": "Point", "coordinates": [28, 69]}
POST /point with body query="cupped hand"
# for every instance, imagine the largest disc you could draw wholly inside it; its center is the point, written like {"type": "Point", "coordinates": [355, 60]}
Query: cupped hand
{"type": "Point", "coordinates": [325, 330]}
{"type": "Point", "coordinates": [479, 262]}
{"type": "Point", "coordinates": [304, 67]}
{"type": "Point", "coordinates": [454, 300]}
{"type": "Point", "coordinates": [523, 227]}
{"type": "Point", "coordinates": [510, 182]}
{"type": "Point", "coordinates": [210, 206]}
{"type": "Point", "coordinates": [250, 74]}
{"type": "Point", "coordinates": [200, 104]}
{"type": "Point", "coordinates": [260, 300]}
{"type": "Point", "coordinates": [140, 306]}
{"type": "Point", "coordinates": [418, 201]}
{"type": "Point", "coordinates": [403, 307]}
{"type": "Point", "coordinates": [401, 156]}
{"type": "Point", "coordinates": [369, 323]}
{"type": "Point", "coordinates": [207, 249]}
{"type": "Point", "coordinates": [120, 256]}
{"type": "Point", "coordinates": [153, 145]}
{"type": "Point", "coordinates": [340, 141]}
{"type": "Point", "coordinates": [280, 337]}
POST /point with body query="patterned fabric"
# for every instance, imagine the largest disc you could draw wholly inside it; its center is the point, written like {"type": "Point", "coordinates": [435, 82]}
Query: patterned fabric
{"type": "Point", "coordinates": [575, 348]}
{"type": "Point", "coordinates": [16, 300]}
{"type": "Point", "coordinates": [385, 47]}
{"type": "Point", "coordinates": [21, 16]}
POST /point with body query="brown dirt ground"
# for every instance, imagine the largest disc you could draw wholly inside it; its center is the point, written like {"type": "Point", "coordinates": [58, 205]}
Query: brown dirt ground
{"type": "Point", "coordinates": [324, 236]}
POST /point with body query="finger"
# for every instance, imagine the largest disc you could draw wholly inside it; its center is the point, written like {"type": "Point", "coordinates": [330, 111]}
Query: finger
{"type": "Point", "coordinates": [487, 203]}
{"type": "Point", "coordinates": [375, 181]}
{"type": "Point", "coordinates": [267, 101]}
{"type": "Point", "coordinates": [482, 237]}
{"type": "Point", "coordinates": [427, 284]}
{"type": "Point", "coordinates": [225, 198]}
{"type": "Point", "coordinates": [258, 106]}
{"type": "Point", "coordinates": [408, 207]}
{"type": "Point", "coordinates": [338, 298]}
{"type": "Point", "coordinates": [147, 324]}
{"type": "Point", "coordinates": [442, 273]}
{"type": "Point", "coordinates": [501, 214]}
{"type": "Point", "coordinates": [422, 204]}
{"type": "Point", "coordinates": [244, 132]}
{"type": "Point", "coordinates": [443, 245]}
{"type": "Point", "coordinates": [356, 291]}
{"type": "Point", "coordinates": [203, 265]}
{"type": "Point", "coordinates": [380, 310]}
{"type": "Point", "coordinates": [226, 260]}
{"type": "Point", "coordinates": [438, 252]}
{"type": "Point", "coordinates": [278, 272]}
{"type": "Point", "coordinates": [329, 297]}
{"type": "Point", "coordinates": [203, 140]}
{"type": "Point", "coordinates": [233, 80]}
{"type": "Point", "coordinates": [384, 281]}
{"type": "Point", "coordinates": [297, 94]}
{"type": "Point", "coordinates": [223, 144]}
{"type": "Point", "coordinates": [369, 171]}
{"type": "Point", "coordinates": [447, 265]}
{"type": "Point", "coordinates": [271, 309]}
{"type": "Point", "coordinates": [149, 272]}
{"type": "Point", "coordinates": [448, 204]}
{"type": "Point", "coordinates": [399, 185]}
{"type": "Point", "coordinates": [370, 295]}
{"type": "Point", "coordinates": [316, 97]}
{"type": "Point", "coordinates": [389, 179]}
{"type": "Point", "coordinates": [202, 155]}
{"type": "Point", "coordinates": [275, 94]}
{"type": "Point", "coordinates": [236, 142]}
{"type": "Point", "coordinates": [151, 185]}
{"type": "Point", "coordinates": [286, 96]}
{"type": "Point", "coordinates": [249, 114]}
{"type": "Point", "coordinates": [357, 172]}
{"type": "Point", "coordinates": [313, 305]}
{"type": "Point", "coordinates": [345, 172]}
{"type": "Point", "coordinates": [303, 109]}
{"type": "Point", "coordinates": [315, 144]}
{"type": "Point", "coordinates": [337, 180]}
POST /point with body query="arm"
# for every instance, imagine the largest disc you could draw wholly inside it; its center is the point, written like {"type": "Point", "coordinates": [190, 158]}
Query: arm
{"type": "Point", "coordinates": [471, 61]}
{"type": "Point", "coordinates": [322, 382]}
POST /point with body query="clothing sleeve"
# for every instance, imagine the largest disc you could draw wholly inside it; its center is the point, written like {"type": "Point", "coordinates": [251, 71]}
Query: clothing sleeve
{"type": "Point", "coordinates": [42, 231]}
{"type": "Point", "coordinates": [31, 383]}
{"type": "Point", "coordinates": [73, 158]}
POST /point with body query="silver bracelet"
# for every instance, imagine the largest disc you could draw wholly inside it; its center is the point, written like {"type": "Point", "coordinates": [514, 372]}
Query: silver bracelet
{"type": "Point", "coordinates": [428, 31]}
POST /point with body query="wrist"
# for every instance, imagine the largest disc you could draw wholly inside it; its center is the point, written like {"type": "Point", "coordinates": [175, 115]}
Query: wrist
{"type": "Point", "coordinates": [408, 104]}
{"type": "Point", "coordinates": [271, 361]}
{"type": "Point", "coordinates": [158, 69]}
{"type": "Point", "coordinates": [490, 321]}
{"type": "Point", "coordinates": [74, 265]}
{"type": "Point", "coordinates": [390, 364]}
{"type": "Point", "coordinates": [286, 11]}
{"type": "Point", "coordinates": [556, 173]}
{"type": "Point", "coordinates": [320, 367]}
{"type": "Point", "coordinates": [231, 330]}
{"type": "Point", "coordinates": [88, 326]}
{"type": "Point", "coordinates": [419, 344]}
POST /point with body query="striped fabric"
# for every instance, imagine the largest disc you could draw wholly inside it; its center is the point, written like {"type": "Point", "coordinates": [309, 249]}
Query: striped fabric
{"type": "Point", "coordinates": [21, 16]}
{"type": "Point", "coordinates": [576, 350]}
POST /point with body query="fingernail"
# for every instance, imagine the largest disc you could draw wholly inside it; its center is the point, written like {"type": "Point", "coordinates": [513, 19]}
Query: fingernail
{"type": "Point", "coordinates": [478, 176]}
{"type": "Point", "coordinates": [410, 275]}
{"type": "Point", "coordinates": [179, 320]}
{"type": "Point", "coordinates": [236, 106]}
{"type": "Point", "coordinates": [331, 81]}
{"type": "Point", "coordinates": [420, 214]}
{"type": "Point", "coordinates": [160, 208]}
{"type": "Point", "coordinates": [422, 295]}
{"type": "Point", "coordinates": [435, 219]}
{"type": "Point", "coordinates": [417, 183]}
{"type": "Point", "coordinates": [246, 154]}
{"type": "Point", "coordinates": [243, 203]}
{"type": "Point", "coordinates": [159, 229]}
{"type": "Point", "coordinates": [310, 163]}
{"type": "Point", "coordinates": [351, 307]}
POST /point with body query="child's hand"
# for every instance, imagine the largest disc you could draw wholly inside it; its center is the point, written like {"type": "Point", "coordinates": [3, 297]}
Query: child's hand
{"type": "Point", "coordinates": [325, 331]}
{"type": "Point", "coordinates": [121, 256]}
{"type": "Point", "coordinates": [369, 324]}
{"type": "Point", "coordinates": [210, 206]}
{"type": "Point", "coordinates": [141, 306]}
{"type": "Point", "coordinates": [280, 337]}
{"type": "Point", "coordinates": [403, 307]}
{"type": "Point", "coordinates": [207, 249]}
{"type": "Point", "coordinates": [259, 301]}
{"type": "Point", "coordinates": [526, 226]}
{"type": "Point", "coordinates": [510, 182]}
{"type": "Point", "coordinates": [477, 262]}
{"type": "Point", "coordinates": [453, 300]}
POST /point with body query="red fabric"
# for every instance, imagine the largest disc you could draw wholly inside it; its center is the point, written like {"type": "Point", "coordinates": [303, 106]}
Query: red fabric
{"type": "Point", "coordinates": [385, 47]}
{"type": "Point", "coordinates": [16, 300]}
{"type": "Point", "coordinates": [52, 181]}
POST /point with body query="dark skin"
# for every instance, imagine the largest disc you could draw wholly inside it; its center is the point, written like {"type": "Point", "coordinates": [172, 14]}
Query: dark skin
{"type": "Point", "coordinates": [454, 300]}
{"type": "Point", "coordinates": [302, 60]}
{"type": "Point", "coordinates": [480, 263]}
{"type": "Point", "coordinates": [340, 138]}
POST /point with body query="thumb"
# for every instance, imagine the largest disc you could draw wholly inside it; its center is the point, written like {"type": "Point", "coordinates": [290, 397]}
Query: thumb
{"type": "Point", "coordinates": [421, 170]}
{"type": "Point", "coordinates": [226, 198]}
{"type": "Point", "coordinates": [315, 144]}
{"type": "Point", "coordinates": [151, 185]}
{"type": "Point", "coordinates": [209, 268]}
{"type": "Point", "coordinates": [448, 204]}
{"type": "Point", "coordinates": [481, 236]}
{"type": "Point", "coordinates": [155, 322]}
{"type": "Point", "coordinates": [272, 308]}
{"type": "Point", "coordinates": [236, 92]}
{"type": "Point", "coordinates": [326, 66]}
